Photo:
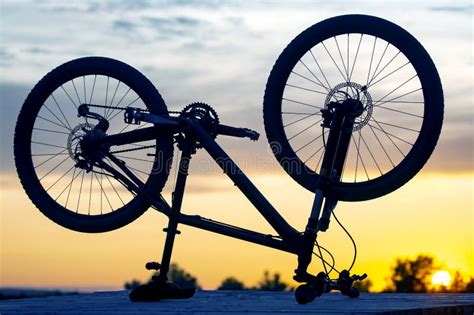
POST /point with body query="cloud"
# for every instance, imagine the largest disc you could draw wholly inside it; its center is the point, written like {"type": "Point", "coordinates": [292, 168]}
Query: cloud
{"type": "Point", "coordinates": [6, 57]}
{"type": "Point", "coordinates": [123, 25]}
{"type": "Point", "coordinates": [464, 9]}
{"type": "Point", "coordinates": [11, 99]}
{"type": "Point", "coordinates": [37, 50]}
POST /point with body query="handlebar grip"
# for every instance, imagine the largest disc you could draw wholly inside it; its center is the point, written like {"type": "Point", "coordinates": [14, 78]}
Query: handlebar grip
{"type": "Point", "coordinates": [238, 132]}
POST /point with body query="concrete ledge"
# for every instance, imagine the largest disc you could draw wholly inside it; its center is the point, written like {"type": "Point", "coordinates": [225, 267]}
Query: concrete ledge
{"type": "Point", "coordinates": [218, 302]}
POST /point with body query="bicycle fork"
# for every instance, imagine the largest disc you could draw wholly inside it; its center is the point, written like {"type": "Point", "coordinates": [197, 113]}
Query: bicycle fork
{"type": "Point", "coordinates": [339, 117]}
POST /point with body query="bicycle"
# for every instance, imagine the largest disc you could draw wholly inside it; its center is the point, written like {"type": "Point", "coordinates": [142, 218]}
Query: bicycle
{"type": "Point", "coordinates": [326, 106]}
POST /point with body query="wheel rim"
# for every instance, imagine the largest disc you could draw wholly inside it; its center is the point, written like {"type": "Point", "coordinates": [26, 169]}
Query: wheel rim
{"type": "Point", "coordinates": [56, 136]}
{"type": "Point", "coordinates": [382, 76]}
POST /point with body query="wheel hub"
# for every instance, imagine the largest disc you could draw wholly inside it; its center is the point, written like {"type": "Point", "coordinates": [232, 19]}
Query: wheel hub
{"type": "Point", "coordinates": [356, 100]}
{"type": "Point", "coordinates": [82, 147]}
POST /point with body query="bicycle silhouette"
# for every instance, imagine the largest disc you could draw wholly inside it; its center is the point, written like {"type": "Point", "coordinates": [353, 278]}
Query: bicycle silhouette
{"type": "Point", "coordinates": [353, 109]}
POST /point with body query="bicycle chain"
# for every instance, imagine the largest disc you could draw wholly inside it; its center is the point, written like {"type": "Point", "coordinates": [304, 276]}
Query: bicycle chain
{"type": "Point", "coordinates": [125, 108]}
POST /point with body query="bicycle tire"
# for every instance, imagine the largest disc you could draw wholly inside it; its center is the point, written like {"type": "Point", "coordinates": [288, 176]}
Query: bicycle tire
{"type": "Point", "coordinates": [138, 204]}
{"type": "Point", "coordinates": [432, 91]}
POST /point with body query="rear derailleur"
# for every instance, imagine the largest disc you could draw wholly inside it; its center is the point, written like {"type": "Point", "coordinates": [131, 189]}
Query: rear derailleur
{"type": "Point", "coordinates": [308, 292]}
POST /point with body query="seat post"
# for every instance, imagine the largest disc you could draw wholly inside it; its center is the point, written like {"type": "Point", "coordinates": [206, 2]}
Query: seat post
{"type": "Point", "coordinates": [177, 200]}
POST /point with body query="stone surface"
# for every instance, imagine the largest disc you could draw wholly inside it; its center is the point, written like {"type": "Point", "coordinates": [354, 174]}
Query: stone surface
{"type": "Point", "coordinates": [235, 302]}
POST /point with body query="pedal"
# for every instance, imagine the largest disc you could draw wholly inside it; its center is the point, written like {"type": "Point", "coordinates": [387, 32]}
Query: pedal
{"type": "Point", "coordinates": [251, 134]}
{"type": "Point", "coordinates": [153, 265]}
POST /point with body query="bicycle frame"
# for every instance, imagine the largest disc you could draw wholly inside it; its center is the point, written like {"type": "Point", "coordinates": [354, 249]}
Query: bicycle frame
{"type": "Point", "coordinates": [289, 240]}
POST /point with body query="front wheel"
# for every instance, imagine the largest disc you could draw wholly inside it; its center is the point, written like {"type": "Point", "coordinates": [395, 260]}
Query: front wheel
{"type": "Point", "coordinates": [355, 57]}
{"type": "Point", "coordinates": [73, 185]}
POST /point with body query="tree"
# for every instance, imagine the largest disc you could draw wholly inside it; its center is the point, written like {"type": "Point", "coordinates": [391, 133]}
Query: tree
{"type": "Point", "coordinates": [457, 284]}
{"type": "Point", "coordinates": [180, 277]}
{"type": "Point", "coordinates": [231, 283]}
{"type": "Point", "coordinates": [273, 283]}
{"type": "Point", "coordinates": [469, 288]}
{"type": "Point", "coordinates": [363, 286]}
{"type": "Point", "coordinates": [131, 285]}
{"type": "Point", "coordinates": [176, 275]}
{"type": "Point", "coordinates": [412, 275]}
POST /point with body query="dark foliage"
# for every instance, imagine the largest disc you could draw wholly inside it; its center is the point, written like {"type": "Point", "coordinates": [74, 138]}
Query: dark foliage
{"type": "Point", "coordinates": [231, 283]}
{"type": "Point", "coordinates": [412, 275]}
{"type": "Point", "coordinates": [363, 286]}
{"type": "Point", "coordinates": [180, 277]}
{"type": "Point", "coordinates": [131, 285]}
{"type": "Point", "coordinates": [272, 283]}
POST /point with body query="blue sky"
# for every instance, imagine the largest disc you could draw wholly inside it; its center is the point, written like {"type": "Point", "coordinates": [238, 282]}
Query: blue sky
{"type": "Point", "coordinates": [221, 52]}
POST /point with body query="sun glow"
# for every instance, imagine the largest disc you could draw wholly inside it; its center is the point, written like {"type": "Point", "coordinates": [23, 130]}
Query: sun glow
{"type": "Point", "coordinates": [441, 278]}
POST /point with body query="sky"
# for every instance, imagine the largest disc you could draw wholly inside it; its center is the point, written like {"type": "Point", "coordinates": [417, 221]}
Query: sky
{"type": "Point", "coordinates": [221, 53]}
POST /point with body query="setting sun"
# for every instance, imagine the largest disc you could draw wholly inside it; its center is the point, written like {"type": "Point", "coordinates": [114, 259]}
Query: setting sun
{"type": "Point", "coordinates": [441, 278]}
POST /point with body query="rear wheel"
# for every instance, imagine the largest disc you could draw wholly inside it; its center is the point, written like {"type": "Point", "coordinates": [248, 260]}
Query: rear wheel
{"type": "Point", "coordinates": [358, 57]}
{"type": "Point", "coordinates": [65, 185]}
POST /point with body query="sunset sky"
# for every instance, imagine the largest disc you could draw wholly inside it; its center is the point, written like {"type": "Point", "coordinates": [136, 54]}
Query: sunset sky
{"type": "Point", "coordinates": [221, 53]}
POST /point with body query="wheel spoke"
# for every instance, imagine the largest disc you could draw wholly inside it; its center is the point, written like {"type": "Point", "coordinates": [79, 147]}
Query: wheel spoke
{"type": "Point", "coordinates": [316, 152]}
{"type": "Point", "coordinates": [334, 61]}
{"type": "Point", "coordinates": [370, 152]}
{"type": "Point", "coordinates": [386, 76]}
{"type": "Point", "coordinates": [376, 103]}
{"type": "Point", "coordinates": [113, 187]}
{"type": "Point", "coordinates": [381, 145]}
{"type": "Point", "coordinates": [57, 118]}
{"type": "Point", "coordinates": [395, 89]}
{"type": "Point", "coordinates": [49, 145]}
{"type": "Point", "coordinates": [67, 172]}
{"type": "Point", "coordinates": [74, 103]}
{"type": "Point", "coordinates": [399, 111]}
{"type": "Point", "coordinates": [301, 103]}
{"type": "Point", "coordinates": [397, 126]}
{"type": "Point", "coordinates": [371, 60]}
{"type": "Point", "coordinates": [320, 83]}
{"type": "Point", "coordinates": [92, 93]}
{"type": "Point", "coordinates": [103, 191]}
{"type": "Point", "coordinates": [110, 119]}
{"type": "Point", "coordinates": [305, 129]}
{"type": "Point", "coordinates": [342, 60]}
{"type": "Point", "coordinates": [311, 141]}
{"type": "Point", "coordinates": [319, 67]}
{"type": "Point", "coordinates": [84, 85]}
{"type": "Point", "coordinates": [378, 64]}
{"type": "Point", "coordinates": [388, 63]}
{"type": "Point", "coordinates": [52, 122]}
{"type": "Point", "coordinates": [300, 119]}
{"type": "Point", "coordinates": [52, 157]}
{"type": "Point", "coordinates": [70, 185]}
{"type": "Point", "coordinates": [80, 192]}
{"type": "Point", "coordinates": [355, 58]}
{"type": "Point", "coordinates": [67, 122]}
{"type": "Point", "coordinates": [75, 90]}
{"type": "Point", "coordinates": [107, 114]}
{"type": "Point", "coordinates": [49, 130]}
{"type": "Point", "coordinates": [302, 88]}
{"type": "Point", "coordinates": [297, 113]}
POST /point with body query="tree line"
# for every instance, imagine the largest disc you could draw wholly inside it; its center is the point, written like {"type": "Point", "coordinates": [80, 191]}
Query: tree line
{"type": "Point", "coordinates": [177, 275]}
{"type": "Point", "coordinates": [407, 276]}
